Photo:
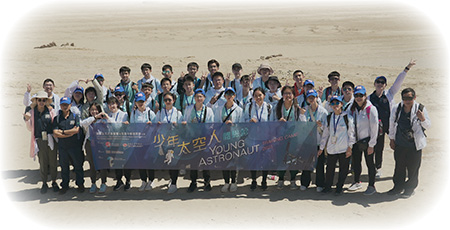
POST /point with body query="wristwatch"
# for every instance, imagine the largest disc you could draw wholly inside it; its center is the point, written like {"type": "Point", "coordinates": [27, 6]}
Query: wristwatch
{"type": "Point", "coordinates": [63, 131]}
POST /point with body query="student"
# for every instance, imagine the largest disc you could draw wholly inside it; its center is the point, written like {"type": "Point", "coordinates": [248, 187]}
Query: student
{"type": "Point", "coordinates": [187, 98]}
{"type": "Point", "coordinates": [166, 84]}
{"type": "Point", "coordinates": [264, 70]}
{"type": "Point", "coordinates": [96, 114]}
{"type": "Point", "coordinates": [245, 95]}
{"type": "Point", "coordinates": [347, 94]}
{"type": "Point", "coordinates": [314, 112]}
{"type": "Point", "coordinates": [101, 80]}
{"type": "Point", "coordinates": [215, 96]}
{"type": "Point", "coordinates": [257, 111]}
{"type": "Point", "coordinates": [365, 117]}
{"type": "Point", "coordinates": [236, 69]}
{"type": "Point", "coordinates": [124, 102]}
{"type": "Point", "coordinates": [383, 100]}
{"type": "Point", "coordinates": [146, 70]}
{"type": "Point", "coordinates": [192, 69]}
{"type": "Point", "coordinates": [75, 92]}
{"type": "Point", "coordinates": [199, 113]}
{"type": "Point", "coordinates": [274, 92]}
{"type": "Point", "coordinates": [408, 121]}
{"type": "Point", "coordinates": [287, 109]}
{"type": "Point", "coordinates": [167, 72]}
{"type": "Point", "coordinates": [93, 95]}
{"type": "Point", "coordinates": [130, 88]}
{"type": "Point", "coordinates": [228, 113]}
{"type": "Point", "coordinates": [170, 114]}
{"type": "Point", "coordinates": [301, 99]}
{"type": "Point", "coordinates": [116, 115]}
{"type": "Point", "coordinates": [338, 137]}
{"type": "Point", "coordinates": [147, 89]}
{"type": "Point", "coordinates": [334, 78]}
{"type": "Point", "coordinates": [48, 86]}
{"type": "Point", "coordinates": [38, 118]}
{"type": "Point", "coordinates": [207, 82]}
{"type": "Point", "coordinates": [144, 115]}
{"type": "Point", "coordinates": [298, 78]}
{"type": "Point", "coordinates": [66, 128]}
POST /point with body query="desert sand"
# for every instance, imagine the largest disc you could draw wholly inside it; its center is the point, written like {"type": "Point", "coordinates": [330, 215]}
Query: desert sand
{"type": "Point", "coordinates": [360, 40]}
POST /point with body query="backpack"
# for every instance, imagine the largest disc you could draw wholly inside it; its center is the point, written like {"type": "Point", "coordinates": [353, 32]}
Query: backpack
{"type": "Point", "coordinates": [345, 119]}
{"type": "Point", "coordinates": [399, 108]}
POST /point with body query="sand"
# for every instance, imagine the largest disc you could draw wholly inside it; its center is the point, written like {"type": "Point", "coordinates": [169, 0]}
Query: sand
{"type": "Point", "coordinates": [360, 40]}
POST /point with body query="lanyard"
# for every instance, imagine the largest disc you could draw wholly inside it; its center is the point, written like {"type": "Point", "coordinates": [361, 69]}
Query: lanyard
{"type": "Point", "coordinates": [335, 122]}
{"type": "Point", "coordinates": [199, 119]}
{"type": "Point", "coordinates": [168, 119]}
{"type": "Point", "coordinates": [187, 102]}
{"type": "Point", "coordinates": [117, 115]}
{"type": "Point", "coordinates": [289, 114]}
{"type": "Point", "coordinates": [312, 115]}
{"type": "Point", "coordinates": [260, 114]}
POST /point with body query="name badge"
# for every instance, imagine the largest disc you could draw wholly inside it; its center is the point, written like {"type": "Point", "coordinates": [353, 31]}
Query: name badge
{"type": "Point", "coordinates": [333, 140]}
{"type": "Point", "coordinates": [72, 122]}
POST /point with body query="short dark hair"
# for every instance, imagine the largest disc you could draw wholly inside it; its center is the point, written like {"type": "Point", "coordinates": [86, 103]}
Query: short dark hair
{"type": "Point", "coordinates": [194, 64]}
{"type": "Point", "coordinates": [188, 79]}
{"type": "Point", "coordinates": [334, 74]}
{"type": "Point", "coordinates": [174, 97]}
{"type": "Point", "coordinates": [147, 85]}
{"type": "Point", "coordinates": [167, 67]}
{"type": "Point", "coordinates": [213, 61]}
{"type": "Point", "coordinates": [217, 74]}
{"type": "Point", "coordinates": [409, 90]}
{"type": "Point", "coordinates": [48, 80]}
{"type": "Point", "coordinates": [97, 105]}
{"type": "Point", "coordinates": [166, 79]}
{"type": "Point", "coordinates": [89, 89]}
{"type": "Point", "coordinates": [124, 69]}
{"type": "Point", "coordinates": [112, 100]}
{"type": "Point", "coordinates": [259, 89]}
{"type": "Point", "coordinates": [297, 71]}
{"type": "Point", "coordinates": [245, 77]}
{"type": "Point", "coordinates": [349, 83]}
{"type": "Point", "coordinates": [146, 65]}
{"type": "Point", "coordinates": [236, 66]}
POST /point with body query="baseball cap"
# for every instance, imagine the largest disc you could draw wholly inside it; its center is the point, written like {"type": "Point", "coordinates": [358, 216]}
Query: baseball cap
{"type": "Point", "coordinates": [311, 92]}
{"type": "Point", "coordinates": [79, 89]}
{"type": "Point", "coordinates": [65, 100]}
{"type": "Point", "coordinates": [381, 77]}
{"type": "Point", "coordinates": [139, 97]}
{"type": "Point", "coordinates": [118, 89]}
{"type": "Point", "coordinates": [229, 89]}
{"type": "Point", "coordinates": [360, 89]}
{"type": "Point", "coordinates": [200, 91]}
{"type": "Point", "coordinates": [337, 98]}
{"type": "Point", "coordinates": [308, 82]}
{"type": "Point", "coordinates": [98, 75]}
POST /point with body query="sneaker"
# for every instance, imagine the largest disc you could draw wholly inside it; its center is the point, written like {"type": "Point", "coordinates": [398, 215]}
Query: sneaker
{"type": "Point", "coordinates": [280, 184]}
{"type": "Point", "coordinates": [149, 186]}
{"type": "Point", "coordinates": [143, 186]}
{"type": "Point", "coordinates": [102, 188]}
{"type": "Point", "coordinates": [370, 190]}
{"type": "Point", "coordinates": [253, 186]}
{"type": "Point", "coordinates": [192, 187]}
{"type": "Point", "coordinates": [264, 185]}
{"type": "Point", "coordinates": [182, 172]}
{"type": "Point", "coordinates": [293, 185]}
{"type": "Point", "coordinates": [303, 188]}
{"type": "Point", "coordinates": [172, 189]}
{"type": "Point", "coordinates": [355, 186]}
{"type": "Point", "coordinates": [407, 193]}
{"type": "Point", "coordinates": [233, 187]}
{"type": "Point", "coordinates": [80, 189]}
{"type": "Point", "coordinates": [225, 188]}
{"type": "Point", "coordinates": [44, 188]}
{"type": "Point", "coordinates": [207, 187]}
{"type": "Point", "coordinates": [93, 189]}
{"type": "Point", "coordinates": [119, 185]}
{"type": "Point", "coordinates": [63, 191]}
{"type": "Point", "coordinates": [55, 187]}
{"type": "Point", "coordinates": [319, 189]}
{"type": "Point", "coordinates": [378, 175]}
{"type": "Point", "coordinates": [127, 186]}
{"type": "Point", "coordinates": [395, 191]}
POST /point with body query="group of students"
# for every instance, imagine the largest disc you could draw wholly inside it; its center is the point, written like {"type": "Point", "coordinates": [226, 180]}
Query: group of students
{"type": "Point", "coordinates": [350, 123]}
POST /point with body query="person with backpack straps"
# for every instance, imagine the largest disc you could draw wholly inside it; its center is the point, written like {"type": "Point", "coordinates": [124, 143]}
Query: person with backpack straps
{"type": "Point", "coordinates": [383, 100]}
{"type": "Point", "coordinates": [258, 110]}
{"type": "Point", "coordinates": [287, 109]}
{"type": "Point", "coordinates": [314, 112]}
{"type": "Point", "coordinates": [198, 113]}
{"type": "Point", "coordinates": [187, 98]}
{"type": "Point", "coordinates": [244, 96]}
{"type": "Point", "coordinates": [338, 137]}
{"type": "Point", "coordinates": [215, 97]}
{"type": "Point", "coordinates": [301, 99]}
{"type": "Point", "coordinates": [365, 117]}
{"type": "Point", "coordinates": [408, 122]}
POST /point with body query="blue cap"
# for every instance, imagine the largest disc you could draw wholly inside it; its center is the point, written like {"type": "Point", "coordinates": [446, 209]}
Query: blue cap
{"type": "Point", "coordinates": [311, 92]}
{"type": "Point", "coordinates": [337, 98]}
{"type": "Point", "coordinates": [200, 91]}
{"type": "Point", "coordinates": [65, 100]}
{"type": "Point", "coordinates": [229, 89]}
{"type": "Point", "coordinates": [360, 89]}
{"type": "Point", "coordinates": [98, 75]}
{"type": "Point", "coordinates": [79, 89]}
{"type": "Point", "coordinates": [381, 77]}
{"type": "Point", "coordinates": [118, 89]}
{"type": "Point", "coordinates": [308, 82]}
{"type": "Point", "coordinates": [139, 97]}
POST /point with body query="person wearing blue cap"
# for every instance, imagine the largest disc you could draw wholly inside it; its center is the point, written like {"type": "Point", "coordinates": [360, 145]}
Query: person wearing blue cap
{"type": "Point", "coordinates": [383, 100]}
{"type": "Point", "coordinates": [199, 113]}
{"type": "Point", "coordinates": [76, 93]}
{"type": "Point", "coordinates": [66, 127]}
{"type": "Point", "coordinates": [314, 112]}
{"type": "Point", "coordinates": [124, 101]}
{"type": "Point", "coordinates": [365, 116]}
{"type": "Point", "coordinates": [338, 137]}
{"type": "Point", "coordinates": [301, 99]}
{"type": "Point", "coordinates": [101, 80]}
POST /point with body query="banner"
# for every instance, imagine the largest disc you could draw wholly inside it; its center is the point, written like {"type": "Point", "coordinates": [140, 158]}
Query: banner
{"type": "Point", "coordinates": [208, 146]}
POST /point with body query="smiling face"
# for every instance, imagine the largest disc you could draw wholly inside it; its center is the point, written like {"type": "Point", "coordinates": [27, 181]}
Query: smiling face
{"type": "Point", "coordinates": [230, 96]}
{"type": "Point", "coordinates": [125, 76]}
{"type": "Point", "coordinates": [65, 107]}
{"type": "Point", "coordinates": [360, 98]}
{"type": "Point", "coordinates": [298, 78]}
{"type": "Point", "coordinates": [408, 99]}
{"type": "Point", "coordinates": [348, 91]}
{"type": "Point", "coordinates": [273, 85]}
{"type": "Point", "coordinates": [212, 68]}
{"type": "Point", "coordinates": [380, 85]}
{"type": "Point", "coordinates": [113, 107]}
{"type": "Point", "coordinates": [146, 72]}
{"type": "Point", "coordinates": [334, 80]}
{"type": "Point", "coordinates": [245, 83]}
{"type": "Point", "coordinates": [48, 87]}
{"type": "Point", "coordinates": [199, 98]}
{"type": "Point", "coordinates": [336, 105]}
{"type": "Point", "coordinates": [192, 70]}
{"type": "Point", "coordinates": [265, 72]}
{"type": "Point", "coordinates": [168, 100]}
{"type": "Point", "coordinates": [140, 105]}
{"type": "Point", "coordinates": [218, 82]}
{"type": "Point", "coordinates": [167, 73]}
{"type": "Point", "coordinates": [93, 111]}
{"type": "Point", "coordinates": [288, 95]}
{"type": "Point", "coordinates": [259, 97]}
{"type": "Point", "coordinates": [166, 86]}
{"type": "Point", "coordinates": [90, 96]}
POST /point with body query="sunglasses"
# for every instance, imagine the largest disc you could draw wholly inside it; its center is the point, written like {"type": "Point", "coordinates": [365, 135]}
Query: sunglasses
{"type": "Point", "coordinates": [358, 95]}
{"type": "Point", "coordinates": [119, 94]}
{"type": "Point", "coordinates": [167, 71]}
{"type": "Point", "coordinates": [42, 100]}
{"type": "Point", "coordinates": [334, 79]}
{"type": "Point", "coordinates": [347, 89]}
{"type": "Point", "coordinates": [335, 103]}
{"type": "Point", "coordinates": [407, 98]}
{"type": "Point", "coordinates": [380, 82]}
{"type": "Point", "coordinates": [167, 99]}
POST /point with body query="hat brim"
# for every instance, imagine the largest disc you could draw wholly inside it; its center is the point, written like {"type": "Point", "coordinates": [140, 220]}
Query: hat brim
{"type": "Point", "coordinates": [269, 68]}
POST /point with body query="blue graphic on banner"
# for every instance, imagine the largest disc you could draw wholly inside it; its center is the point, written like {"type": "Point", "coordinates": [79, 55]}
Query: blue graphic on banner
{"type": "Point", "coordinates": [209, 146]}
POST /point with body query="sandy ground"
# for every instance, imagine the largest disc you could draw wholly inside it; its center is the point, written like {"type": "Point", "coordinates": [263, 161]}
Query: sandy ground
{"type": "Point", "coordinates": [361, 41]}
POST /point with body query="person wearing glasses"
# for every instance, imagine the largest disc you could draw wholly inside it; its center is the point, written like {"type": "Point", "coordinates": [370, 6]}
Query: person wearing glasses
{"type": "Point", "coordinates": [408, 122]}
{"type": "Point", "coordinates": [38, 119]}
{"type": "Point", "coordinates": [383, 99]}
{"type": "Point", "coordinates": [365, 117]}
{"type": "Point", "coordinates": [333, 90]}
